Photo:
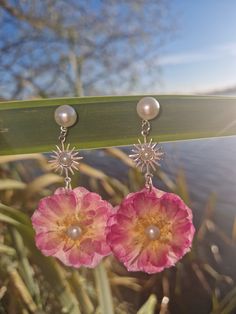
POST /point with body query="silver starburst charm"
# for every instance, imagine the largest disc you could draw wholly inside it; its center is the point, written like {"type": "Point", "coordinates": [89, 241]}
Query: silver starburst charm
{"type": "Point", "coordinates": [146, 155]}
{"type": "Point", "coordinates": [65, 159]}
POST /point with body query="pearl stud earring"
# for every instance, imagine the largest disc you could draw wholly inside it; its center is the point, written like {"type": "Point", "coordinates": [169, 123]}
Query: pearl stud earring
{"type": "Point", "coordinates": [147, 155]}
{"type": "Point", "coordinates": [64, 159]}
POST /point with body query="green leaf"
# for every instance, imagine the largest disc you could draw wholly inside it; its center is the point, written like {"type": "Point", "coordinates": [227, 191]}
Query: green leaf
{"type": "Point", "coordinates": [42, 182]}
{"type": "Point", "coordinates": [149, 306]}
{"type": "Point", "coordinates": [9, 220]}
{"type": "Point", "coordinates": [227, 304]}
{"type": "Point", "coordinates": [12, 184]}
{"type": "Point", "coordinates": [53, 273]}
{"type": "Point", "coordinates": [15, 214]}
{"type": "Point", "coordinates": [103, 290]}
{"type": "Point", "coordinates": [78, 285]}
{"type": "Point", "coordinates": [5, 249]}
{"type": "Point", "coordinates": [26, 270]}
{"type": "Point", "coordinates": [29, 126]}
{"type": "Point", "coordinates": [182, 187]}
{"type": "Point", "coordinates": [20, 286]}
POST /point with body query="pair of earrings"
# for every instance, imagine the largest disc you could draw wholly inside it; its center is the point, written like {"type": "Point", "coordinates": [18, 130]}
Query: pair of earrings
{"type": "Point", "coordinates": [149, 231]}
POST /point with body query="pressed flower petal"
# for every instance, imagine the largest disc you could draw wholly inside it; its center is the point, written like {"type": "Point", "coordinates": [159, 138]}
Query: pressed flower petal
{"type": "Point", "coordinates": [84, 255]}
{"type": "Point", "coordinates": [175, 207]}
{"type": "Point", "coordinates": [143, 204]}
{"type": "Point", "coordinates": [130, 258]}
{"type": "Point", "coordinates": [58, 204]}
{"type": "Point", "coordinates": [101, 248]}
{"type": "Point", "coordinates": [80, 192]}
{"type": "Point", "coordinates": [48, 242]}
{"type": "Point", "coordinates": [76, 257]}
{"type": "Point", "coordinates": [89, 199]}
{"type": "Point", "coordinates": [42, 223]}
{"type": "Point", "coordinates": [151, 261]}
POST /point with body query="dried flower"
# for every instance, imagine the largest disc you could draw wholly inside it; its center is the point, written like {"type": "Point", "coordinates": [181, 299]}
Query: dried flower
{"type": "Point", "coordinates": [70, 225]}
{"type": "Point", "coordinates": [150, 231]}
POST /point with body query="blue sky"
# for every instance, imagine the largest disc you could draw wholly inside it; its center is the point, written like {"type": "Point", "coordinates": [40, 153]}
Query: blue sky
{"type": "Point", "coordinates": [199, 57]}
{"type": "Point", "coordinates": [202, 55]}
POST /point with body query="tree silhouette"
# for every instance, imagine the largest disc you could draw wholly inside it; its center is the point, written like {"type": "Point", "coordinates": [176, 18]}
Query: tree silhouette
{"type": "Point", "coordinates": [70, 48]}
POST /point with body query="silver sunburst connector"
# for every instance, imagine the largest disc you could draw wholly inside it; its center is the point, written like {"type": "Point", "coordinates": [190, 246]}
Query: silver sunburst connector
{"type": "Point", "coordinates": [146, 155]}
{"type": "Point", "coordinates": [65, 160]}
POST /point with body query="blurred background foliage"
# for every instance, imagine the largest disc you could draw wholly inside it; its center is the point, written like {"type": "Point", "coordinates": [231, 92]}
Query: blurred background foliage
{"type": "Point", "coordinates": [56, 48]}
{"type": "Point", "coordinates": [202, 282]}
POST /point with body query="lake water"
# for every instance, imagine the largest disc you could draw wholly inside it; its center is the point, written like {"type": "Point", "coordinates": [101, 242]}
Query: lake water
{"type": "Point", "coordinates": [210, 167]}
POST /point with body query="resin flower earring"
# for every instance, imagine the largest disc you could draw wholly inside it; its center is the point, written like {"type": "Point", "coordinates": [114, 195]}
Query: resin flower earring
{"type": "Point", "coordinates": [151, 229]}
{"type": "Point", "coordinates": [71, 224]}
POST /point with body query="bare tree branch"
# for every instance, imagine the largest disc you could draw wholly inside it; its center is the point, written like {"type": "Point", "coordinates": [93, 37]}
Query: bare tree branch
{"type": "Point", "coordinates": [68, 48]}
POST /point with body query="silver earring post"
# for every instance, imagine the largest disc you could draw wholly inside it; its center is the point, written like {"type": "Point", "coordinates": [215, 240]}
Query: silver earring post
{"type": "Point", "coordinates": [65, 160]}
{"type": "Point", "coordinates": [147, 155]}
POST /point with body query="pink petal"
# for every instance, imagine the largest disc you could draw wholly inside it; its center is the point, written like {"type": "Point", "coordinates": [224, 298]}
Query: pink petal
{"type": "Point", "coordinates": [58, 204]}
{"type": "Point", "coordinates": [42, 223]}
{"type": "Point", "coordinates": [89, 200]}
{"type": "Point", "coordinates": [77, 258]}
{"type": "Point", "coordinates": [49, 243]}
{"type": "Point", "coordinates": [143, 204]}
{"type": "Point", "coordinates": [130, 259]}
{"type": "Point", "coordinates": [80, 192]}
{"type": "Point", "coordinates": [151, 261]}
{"type": "Point", "coordinates": [83, 255]}
{"type": "Point", "coordinates": [101, 247]}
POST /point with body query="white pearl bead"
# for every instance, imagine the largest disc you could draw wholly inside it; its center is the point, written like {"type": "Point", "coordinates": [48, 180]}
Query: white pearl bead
{"type": "Point", "coordinates": [74, 232]}
{"type": "Point", "coordinates": [65, 159]}
{"type": "Point", "coordinates": [65, 116]}
{"type": "Point", "coordinates": [148, 108]}
{"type": "Point", "coordinates": [153, 232]}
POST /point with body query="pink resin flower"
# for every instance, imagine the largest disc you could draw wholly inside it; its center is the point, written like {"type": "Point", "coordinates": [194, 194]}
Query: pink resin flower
{"type": "Point", "coordinates": [71, 225]}
{"type": "Point", "coordinates": [150, 231]}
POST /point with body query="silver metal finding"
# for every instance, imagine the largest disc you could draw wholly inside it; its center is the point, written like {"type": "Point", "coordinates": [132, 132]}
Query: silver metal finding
{"type": "Point", "coordinates": [63, 134]}
{"type": "Point", "coordinates": [67, 181]}
{"type": "Point", "coordinates": [146, 155]}
{"type": "Point", "coordinates": [146, 127]}
{"type": "Point", "coordinates": [65, 160]}
{"type": "Point", "coordinates": [148, 181]}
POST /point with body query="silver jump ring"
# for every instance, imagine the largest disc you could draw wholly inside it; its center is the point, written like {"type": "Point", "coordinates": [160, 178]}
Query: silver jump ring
{"type": "Point", "coordinates": [145, 127]}
{"type": "Point", "coordinates": [63, 133]}
{"type": "Point", "coordinates": [68, 182]}
{"type": "Point", "coordinates": [148, 183]}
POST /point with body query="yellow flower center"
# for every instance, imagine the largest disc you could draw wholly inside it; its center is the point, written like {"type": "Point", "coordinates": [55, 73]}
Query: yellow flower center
{"type": "Point", "coordinates": [70, 227]}
{"type": "Point", "coordinates": [154, 228]}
